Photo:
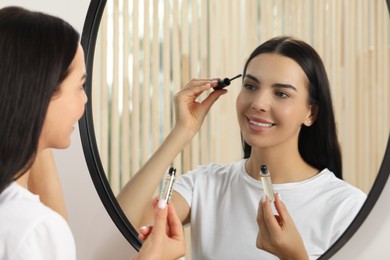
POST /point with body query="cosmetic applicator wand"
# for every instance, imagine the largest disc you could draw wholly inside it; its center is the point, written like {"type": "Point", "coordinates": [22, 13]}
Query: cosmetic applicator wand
{"type": "Point", "coordinates": [225, 82]}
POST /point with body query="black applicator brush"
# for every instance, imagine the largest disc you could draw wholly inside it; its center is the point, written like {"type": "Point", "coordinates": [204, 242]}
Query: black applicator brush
{"type": "Point", "coordinates": [225, 82]}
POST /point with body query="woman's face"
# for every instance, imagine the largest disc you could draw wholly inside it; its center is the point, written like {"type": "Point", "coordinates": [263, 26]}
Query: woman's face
{"type": "Point", "coordinates": [66, 107]}
{"type": "Point", "coordinates": [273, 102]}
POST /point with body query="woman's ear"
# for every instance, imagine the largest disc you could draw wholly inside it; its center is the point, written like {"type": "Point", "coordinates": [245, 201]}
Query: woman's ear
{"type": "Point", "coordinates": [312, 116]}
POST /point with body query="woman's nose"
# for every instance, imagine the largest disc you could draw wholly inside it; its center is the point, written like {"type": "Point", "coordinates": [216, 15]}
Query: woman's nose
{"type": "Point", "coordinates": [261, 102]}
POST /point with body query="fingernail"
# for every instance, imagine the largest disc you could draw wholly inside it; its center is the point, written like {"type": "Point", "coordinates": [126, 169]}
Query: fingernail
{"type": "Point", "coordinates": [280, 197]}
{"type": "Point", "coordinates": [162, 204]}
{"type": "Point", "coordinates": [143, 227]}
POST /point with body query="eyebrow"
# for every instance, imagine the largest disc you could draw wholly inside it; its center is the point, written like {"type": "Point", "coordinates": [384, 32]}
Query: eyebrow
{"type": "Point", "coordinates": [278, 85]}
{"type": "Point", "coordinates": [249, 76]}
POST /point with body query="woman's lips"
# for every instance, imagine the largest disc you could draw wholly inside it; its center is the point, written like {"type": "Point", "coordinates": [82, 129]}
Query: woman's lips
{"type": "Point", "coordinates": [259, 124]}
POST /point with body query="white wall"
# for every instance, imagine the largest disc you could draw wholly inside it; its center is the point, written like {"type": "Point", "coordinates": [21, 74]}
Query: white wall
{"type": "Point", "coordinates": [96, 236]}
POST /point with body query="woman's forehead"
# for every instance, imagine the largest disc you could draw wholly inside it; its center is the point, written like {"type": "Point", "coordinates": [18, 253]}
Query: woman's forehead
{"type": "Point", "coordinates": [276, 68]}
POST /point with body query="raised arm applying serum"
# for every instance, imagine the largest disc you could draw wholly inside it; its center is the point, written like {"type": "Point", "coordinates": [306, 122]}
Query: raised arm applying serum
{"type": "Point", "coordinates": [166, 191]}
{"type": "Point", "coordinates": [225, 82]}
{"type": "Point", "coordinates": [267, 184]}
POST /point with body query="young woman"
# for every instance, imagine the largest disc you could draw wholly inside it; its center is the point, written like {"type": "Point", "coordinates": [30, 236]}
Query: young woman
{"type": "Point", "coordinates": [42, 97]}
{"type": "Point", "coordinates": [286, 118]}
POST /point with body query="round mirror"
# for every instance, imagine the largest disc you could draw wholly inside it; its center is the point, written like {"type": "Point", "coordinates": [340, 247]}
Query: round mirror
{"type": "Point", "coordinates": [145, 51]}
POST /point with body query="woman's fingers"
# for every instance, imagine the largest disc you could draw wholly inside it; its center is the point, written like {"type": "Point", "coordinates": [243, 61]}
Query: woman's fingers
{"type": "Point", "coordinates": [159, 244]}
{"type": "Point", "coordinates": [200, 84]}
{"type": "Point", "coordinates": [160, 220]}
{"type": "Point", "coordinates": [270, 220]}
{"type": "Point", "coordinates": [284, 216]}
{"type": "Point", "coordinates": [260, 216]}
{"type": "Point", "coordinates": [210, 99]}
{"type": "Point", "coordinates": [195, 88]}
{"type": "Point", "coordinates": [269, 224]}
{"type": "Point", "coordinates": [175, 226]}
{"type": "Point", "coordinates": [160, 216]}
{"type": "Point", "coordinates": [144, 232]}
{"type": "Point", "coordinates": [191, 112]}
{"type": "Point", "coordinates": [263, 235]}
{"type": "Point", "coordinates": [278, 233]}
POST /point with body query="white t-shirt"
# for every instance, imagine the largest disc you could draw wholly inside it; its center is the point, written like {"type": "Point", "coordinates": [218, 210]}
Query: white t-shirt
{"type": "Point", "coordinates": [224, 201]}
{"type": "Point", "coordinates": [30, 230]}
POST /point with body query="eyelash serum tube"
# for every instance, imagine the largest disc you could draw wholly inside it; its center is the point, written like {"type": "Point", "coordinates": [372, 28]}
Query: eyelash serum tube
{"type": "Point", "coordinates": [267, 184]}
{"type": "Point", "coordinates": [166, 191]}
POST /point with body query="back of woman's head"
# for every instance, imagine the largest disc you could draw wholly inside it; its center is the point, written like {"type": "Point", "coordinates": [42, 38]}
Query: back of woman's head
{"type": "Point", "coordinates": [317, 144]}
{"type": "Point", "coordinates": [36, 50]}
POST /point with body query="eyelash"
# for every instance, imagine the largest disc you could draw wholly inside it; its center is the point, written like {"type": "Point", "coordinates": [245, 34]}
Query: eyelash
{"type": "Point", "coordinates": [249, 86]}
{"type": "Point", "coordinates": [280, 94]}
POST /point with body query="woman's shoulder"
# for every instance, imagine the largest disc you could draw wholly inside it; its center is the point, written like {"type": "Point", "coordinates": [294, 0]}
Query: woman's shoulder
{"type": "Point", "coordinates": [342, 187]}
{"type": "Point", "coordinates": [30, 224]}
{"type": "Point", "coordinates": [24, 210]}
{"type": "Point", "coordinates": [16, 199]}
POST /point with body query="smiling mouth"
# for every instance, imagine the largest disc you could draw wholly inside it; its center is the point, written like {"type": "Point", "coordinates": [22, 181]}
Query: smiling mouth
{"type": "Point", "coordinates": [260, 124]}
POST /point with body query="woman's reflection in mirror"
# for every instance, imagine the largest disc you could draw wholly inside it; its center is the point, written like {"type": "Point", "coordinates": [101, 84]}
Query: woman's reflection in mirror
{"type": "Point", "coordinates": [287, 122]}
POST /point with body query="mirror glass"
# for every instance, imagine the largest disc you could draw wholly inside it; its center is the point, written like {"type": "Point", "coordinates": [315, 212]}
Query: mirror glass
{"type": "Point", "coordinates": [147, 50]}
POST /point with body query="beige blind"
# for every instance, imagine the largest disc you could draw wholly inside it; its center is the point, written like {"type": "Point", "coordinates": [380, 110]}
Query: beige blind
{"type": "Point", "coordinates": [147, 50]}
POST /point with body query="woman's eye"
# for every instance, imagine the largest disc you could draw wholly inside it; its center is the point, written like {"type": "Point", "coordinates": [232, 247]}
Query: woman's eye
{"type": "Point", "coordinates": [281, 94]}
{"type": "Point", "coordinates": [249, 86]}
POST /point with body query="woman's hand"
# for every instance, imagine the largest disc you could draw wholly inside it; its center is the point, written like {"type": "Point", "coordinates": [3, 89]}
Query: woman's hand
{"type": "Point", "coordinates": [191, 112]}
{"type": "Point", "coordinates": [278, 234]}
{"type": "Point", "coordinates": [165, 240]}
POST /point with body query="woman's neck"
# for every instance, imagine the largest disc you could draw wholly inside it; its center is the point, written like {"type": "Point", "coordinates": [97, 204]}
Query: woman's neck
{"type": "Point", "coordinates": [23, 180]}
{"type": "Point", "coordinates": [285, 165]}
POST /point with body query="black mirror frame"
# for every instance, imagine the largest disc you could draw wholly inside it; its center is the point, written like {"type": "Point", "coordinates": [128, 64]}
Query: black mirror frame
{"type": "Point", "coordinates": [87, 132]}
{"type": "Point", "coordinates": [91, 152]}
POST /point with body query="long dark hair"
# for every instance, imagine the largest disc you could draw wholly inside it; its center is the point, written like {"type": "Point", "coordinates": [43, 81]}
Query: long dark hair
{"type": "Point", "coordinates": [317, 144]}
{"type": "Point", "coordinates": [36, 50]}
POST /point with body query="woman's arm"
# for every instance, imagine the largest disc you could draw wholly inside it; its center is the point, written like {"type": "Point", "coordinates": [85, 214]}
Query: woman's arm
{"type": "Point", "coordinates": [44, 181]}
{"type": "Point", "coordinates": [135, 197]}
